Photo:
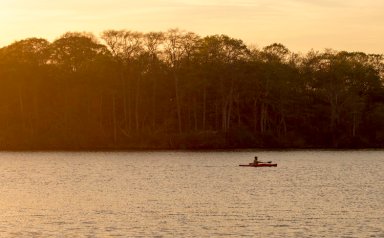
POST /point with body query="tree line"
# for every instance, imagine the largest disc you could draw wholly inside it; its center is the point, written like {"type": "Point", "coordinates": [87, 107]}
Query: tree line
{"type": "Point", "coordinates": [178, 90]}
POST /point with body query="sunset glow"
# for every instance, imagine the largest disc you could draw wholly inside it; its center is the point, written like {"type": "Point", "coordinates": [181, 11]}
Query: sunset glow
{"type": "Point", "coordinates": [300, 25]}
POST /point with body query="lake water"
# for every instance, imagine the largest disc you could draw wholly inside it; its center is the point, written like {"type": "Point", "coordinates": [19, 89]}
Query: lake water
{"type": "Point", "coordinates": [192, 194]}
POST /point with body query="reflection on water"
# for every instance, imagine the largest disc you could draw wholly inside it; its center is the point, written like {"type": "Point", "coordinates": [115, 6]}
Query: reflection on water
{"type": "Point", "coordinates": [185, 194]}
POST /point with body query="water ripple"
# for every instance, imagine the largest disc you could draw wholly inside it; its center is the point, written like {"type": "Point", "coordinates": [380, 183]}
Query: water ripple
{"type": "Point", "coordinates": [184, 194]}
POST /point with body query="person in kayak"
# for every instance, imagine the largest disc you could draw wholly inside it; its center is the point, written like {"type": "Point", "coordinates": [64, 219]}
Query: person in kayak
{"type": "Point", "coordinates": [256, 161]}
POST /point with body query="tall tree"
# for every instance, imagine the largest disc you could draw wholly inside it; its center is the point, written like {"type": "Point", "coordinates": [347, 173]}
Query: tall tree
{"type": "Point", "coordinates": [152, 43]}
{"type": "Point", "coordinates": [127, 47]}
{"type": "Point", "coordinates": [178, 46]}
{"type": "Point", "coordinates": [23, 65]}
{"type": "Point", "coordinates": [74, 57]}
{"type": "Point", "coordinates": [224, 56]}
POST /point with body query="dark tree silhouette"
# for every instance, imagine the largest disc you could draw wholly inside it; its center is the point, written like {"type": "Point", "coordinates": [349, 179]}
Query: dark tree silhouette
{"type": "Point", "coordinates": [177, 90]}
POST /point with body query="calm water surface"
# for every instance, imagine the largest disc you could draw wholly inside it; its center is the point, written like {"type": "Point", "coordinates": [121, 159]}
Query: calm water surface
{"type": "Point", "coordinates": [192, 194]}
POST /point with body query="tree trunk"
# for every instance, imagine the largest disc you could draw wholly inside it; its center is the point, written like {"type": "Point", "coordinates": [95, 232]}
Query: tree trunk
{"type": "Point", "coordinates": [124, 91]}
{"type": "Point", "coordinates": [230, 104]}
{"type": "Point", "coordinates": [21, 107]}
{"type": "Point", "coordinates": [195, 118]}
{"type": "Point", "coordinates": [137, 100]}
{"type": "Point", "coordinates": [154, 93]}
{"type": "Point", "coordinates": [178, 104]}
{"type": "Point", "coordinates": [204, 105]}
{"type": "Point", "coordinates": [282, 126]}
{"type": "Point", "coordinates": [255, 119]}
{"type": "Point", "coordinates": [263, 118]}
{"type": "Point", "coordinates": [114, 119]}
{"type": "Point", "coordinates": [238, 111]}
{"type": "Point", "coordinates": [355, 124]}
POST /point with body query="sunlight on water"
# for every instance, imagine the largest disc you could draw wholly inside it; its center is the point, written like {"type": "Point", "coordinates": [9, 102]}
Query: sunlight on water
{"type": "Point", "coordinates": [185, 194]}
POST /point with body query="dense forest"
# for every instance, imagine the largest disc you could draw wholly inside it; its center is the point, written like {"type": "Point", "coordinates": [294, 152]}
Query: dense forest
{"type": "Point", "coordinates": [178, 90]}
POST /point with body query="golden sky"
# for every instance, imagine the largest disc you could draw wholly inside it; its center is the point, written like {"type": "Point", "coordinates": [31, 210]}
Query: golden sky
{"type": "Point", "coordinates": [353, 25]}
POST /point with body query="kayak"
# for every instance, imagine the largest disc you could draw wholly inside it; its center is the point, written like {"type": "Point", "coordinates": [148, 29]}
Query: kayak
{"type": "Point", "coordinates": [258, 165]}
